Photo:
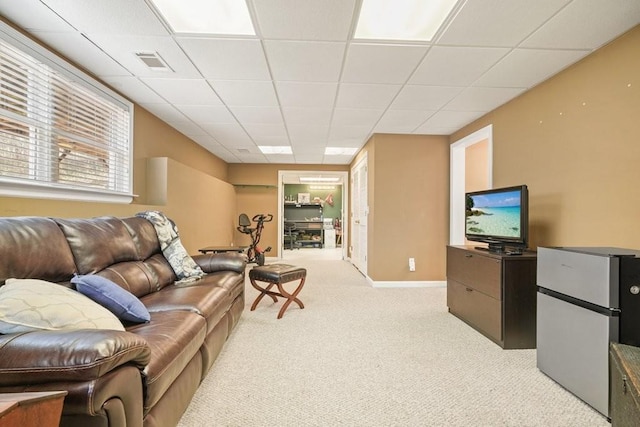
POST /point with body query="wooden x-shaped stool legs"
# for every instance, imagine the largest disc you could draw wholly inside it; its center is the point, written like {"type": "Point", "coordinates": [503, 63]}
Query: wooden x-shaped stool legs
{"type": "Point", "coordinates": [278, 275]}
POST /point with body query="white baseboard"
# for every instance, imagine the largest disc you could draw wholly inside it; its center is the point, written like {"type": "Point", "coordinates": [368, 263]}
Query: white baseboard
{"type": "Point", "coordinates": [408, 284]}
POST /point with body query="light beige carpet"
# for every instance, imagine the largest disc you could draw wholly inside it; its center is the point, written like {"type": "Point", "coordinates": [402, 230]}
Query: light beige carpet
{"type": "Point", "coordinates": [361, 356]}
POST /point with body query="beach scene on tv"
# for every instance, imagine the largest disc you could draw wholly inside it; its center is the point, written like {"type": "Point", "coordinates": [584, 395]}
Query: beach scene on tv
{"type": "Point", "coordinates": [496, 214]}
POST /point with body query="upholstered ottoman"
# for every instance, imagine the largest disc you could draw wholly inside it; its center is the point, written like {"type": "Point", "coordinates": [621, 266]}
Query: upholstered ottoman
{"type": "Point", "coordinates": [277, 275]}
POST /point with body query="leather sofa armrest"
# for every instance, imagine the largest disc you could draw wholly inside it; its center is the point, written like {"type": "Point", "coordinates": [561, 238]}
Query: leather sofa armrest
{"type": "Point", "coordinates": [225, 261]}
{"type": "Point", "coordinates": [78, 355]}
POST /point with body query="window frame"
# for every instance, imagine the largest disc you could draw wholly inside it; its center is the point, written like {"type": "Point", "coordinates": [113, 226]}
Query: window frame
{"type": "Point", "coordinates": [15, 187]}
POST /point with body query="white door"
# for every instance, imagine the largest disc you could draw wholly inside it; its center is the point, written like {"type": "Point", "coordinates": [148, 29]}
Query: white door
{"type": "Point", "coordinates": [359, 211]}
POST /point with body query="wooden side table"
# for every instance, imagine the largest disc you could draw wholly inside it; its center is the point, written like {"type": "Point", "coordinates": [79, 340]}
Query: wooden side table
{"type": "Point", "coordinates": [221, 249]}
{"type": "Point", "coordinates": [42, 409]}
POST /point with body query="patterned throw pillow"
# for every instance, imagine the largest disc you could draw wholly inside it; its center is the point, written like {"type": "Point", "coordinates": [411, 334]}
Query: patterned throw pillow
{"type": "Point", "coordinates": [117, 300]}
{"type": "Point", "coordinates": [30, 304]}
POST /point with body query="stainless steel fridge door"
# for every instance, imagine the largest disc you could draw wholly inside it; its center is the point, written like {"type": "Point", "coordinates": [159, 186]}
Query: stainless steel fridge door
{"type": "Point", "coordinates": [573, 348]}
{"type": "Point", "coordinates": [588, 277]}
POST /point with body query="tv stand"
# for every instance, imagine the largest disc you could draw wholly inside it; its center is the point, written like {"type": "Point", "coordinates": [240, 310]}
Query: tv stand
{"type": "Point", "coordinates": [494, 293]}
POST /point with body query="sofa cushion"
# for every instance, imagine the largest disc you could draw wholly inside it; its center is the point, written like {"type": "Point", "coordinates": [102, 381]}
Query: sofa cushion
{"type": "Point", "coordinates": [31, 304]}
{"type": "Point", "coordinates": [174, 338]}
{"type": "Point", "coordinates": [34, 247]}
{"type": "Point", "coordinates": [119, 301]}
{"type": "Point", "coordinates": [97, 243]}
{"type": "Point", "coordinates": [144, 236]}
{"type": "Point", "coordinates": [209, 301]}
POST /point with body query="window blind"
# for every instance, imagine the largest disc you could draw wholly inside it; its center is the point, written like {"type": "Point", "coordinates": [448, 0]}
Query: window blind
{"type": "Point", "coordinates": [58, 133]}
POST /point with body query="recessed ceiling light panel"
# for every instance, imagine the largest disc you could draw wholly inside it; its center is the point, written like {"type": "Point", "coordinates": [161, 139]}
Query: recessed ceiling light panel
{"type": "Point", "coordinates": [411, 20]}
{"type": "Point", "coordinates": [229, 17]}
{"type": "Point", "coordinates": [275, 149]}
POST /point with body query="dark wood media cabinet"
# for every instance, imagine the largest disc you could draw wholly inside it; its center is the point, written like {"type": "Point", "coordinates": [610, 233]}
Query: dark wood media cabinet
{"type": "Point", "coordinates": [494, 293]}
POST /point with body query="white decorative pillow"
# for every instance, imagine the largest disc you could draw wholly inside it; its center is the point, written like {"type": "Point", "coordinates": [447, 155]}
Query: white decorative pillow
{"type": "Point", "coordinates": [31, 304]}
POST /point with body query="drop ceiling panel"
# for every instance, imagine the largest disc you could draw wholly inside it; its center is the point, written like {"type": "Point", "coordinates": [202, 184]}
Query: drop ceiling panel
{"type": "Point", "coordinates": [348, 132]}
{"type": "Point", "coordinates": [252, 158]}
{"type": "Point", "coordinates": [309, 159]}
{"type": "Point", "coordinates": [586, 24]}
{"type": "Point", "coordinates": [317, 95]}
{"type": "Point", "coordinates": [338, 160]}
{"type": "Point", "coordinates": [248, 93]}
{"type": "Point", "coordinates": [307, 116]}
{"type": "Point", "coordinates": [494, 23]}
{"type": "Point", "coordinates": [401, 121]}
{"type": "Point", "coordinates": [184, 91]}
{"type": "Point", "coordinates": [33, 15]}
{"type": "Point", "coordinates": [266, 130]}
{"type": "Point", "coordinates": [308, 149]}
{"type": "Point", "coordinates": [328, 20]}
{"type": "Point", "coordinates": [482, 99]}
{"type": "Point", "coordinates": [263, 115]}
{"type": "Point", "coordinates": [228, 134]}
{"type": "Point", "coordinates": [528, 67]}
{"type": "Point", "coordinates": [353, 95]}
{"type": "Point", "coordinates": [428, 98]}
{"type": "Point", "coordinates": [280, 158]}
{"type": "Point", "coordinates": [193, 131]}
{"type": "Point", "coordinates": [305, 61]}
{"type": "Point", "coordinates": [134, 89]}
{"type": "Point", "coordinates": [227, 59]}
{"type": "Point", "coordinates": [166, 112]}
{"type": "Point", "coordinates": [313, 133]}
{"type": "Point", "coordinates": [115, 17]}
{"type": "Point", "coordinates": [452, 119]}
{"type": "Point", "coordinates": [207, 113]}
{"type": "Point", "coordinates": [77, 48]}
{"type": "Point", "coordinates": [429, 129]}
{"type": "Point", "coordinates": [371, 63]}
{"type": "Point", "coordinates": [123, 49]}
{"type": "Point", "coordinates": [355, 117]}
{"type": "Point", "coordinates": [455, 66]}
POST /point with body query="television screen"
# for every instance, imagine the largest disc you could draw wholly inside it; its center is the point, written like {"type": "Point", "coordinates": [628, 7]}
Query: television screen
{"type": "Point", "coordinates": [497, 216]}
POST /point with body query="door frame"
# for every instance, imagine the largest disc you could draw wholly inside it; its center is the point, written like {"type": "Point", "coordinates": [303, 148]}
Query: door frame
{"type": "Point", "coordinates": [362, 162]}
{"type": "Point", "coordinates": [344, 175]}
{"type": "Point", "coordinates": [457, 179]}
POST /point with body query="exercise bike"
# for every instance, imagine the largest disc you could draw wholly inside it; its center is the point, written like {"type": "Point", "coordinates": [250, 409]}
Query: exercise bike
{"type": "Point", "coordinates": [254, 252]}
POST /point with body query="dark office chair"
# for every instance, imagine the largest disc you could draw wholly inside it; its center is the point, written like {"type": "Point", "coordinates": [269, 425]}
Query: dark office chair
{"type": "Point", "coordinates": [291, 234]}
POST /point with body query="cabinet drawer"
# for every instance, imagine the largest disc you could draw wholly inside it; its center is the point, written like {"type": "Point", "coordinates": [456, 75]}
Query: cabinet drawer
{"type": "Point", "coordinates": [481, 311]}
{"type": "Point", "coordinates": [479, 272]}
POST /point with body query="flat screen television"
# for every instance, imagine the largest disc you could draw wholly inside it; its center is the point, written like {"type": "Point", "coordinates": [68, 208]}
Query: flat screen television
{"type": "Point", "coordinates": [499, 217]}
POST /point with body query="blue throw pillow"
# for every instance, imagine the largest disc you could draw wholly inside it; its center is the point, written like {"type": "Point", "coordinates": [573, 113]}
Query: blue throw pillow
{"type": "Point", "coordinates": [119, 301]}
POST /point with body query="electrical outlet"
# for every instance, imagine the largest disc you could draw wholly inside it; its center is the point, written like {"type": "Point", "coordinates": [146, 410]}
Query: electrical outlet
{"type": "Point", "coordinates": [412, 264]}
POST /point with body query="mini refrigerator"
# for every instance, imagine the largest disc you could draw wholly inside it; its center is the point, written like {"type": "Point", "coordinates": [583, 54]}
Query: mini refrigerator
{"type": "Point", "coordinates": [587, 298]}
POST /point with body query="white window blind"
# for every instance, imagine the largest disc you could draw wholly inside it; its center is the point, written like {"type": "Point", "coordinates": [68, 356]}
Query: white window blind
{"type": "Point", "coordinates": [59, 134]}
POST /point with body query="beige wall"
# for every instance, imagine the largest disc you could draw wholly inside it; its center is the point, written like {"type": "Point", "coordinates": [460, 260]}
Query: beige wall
{"type": "Point", "coordinates": [257, 192]}
{"type": "Point", "coordinates": [476, 161]}
{"type": "Point", "coordinates": [408, 179]}
{"type": "Point", "coordinates": [574, 141]}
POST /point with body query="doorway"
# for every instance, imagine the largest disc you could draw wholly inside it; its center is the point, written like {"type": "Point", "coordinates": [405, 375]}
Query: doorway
{"type": "Point", "coordinates": [359, 213]}
{"type": "Point", "coordinates": [459, 181]}
{"type": "Point", "coordinates": [311, 214]}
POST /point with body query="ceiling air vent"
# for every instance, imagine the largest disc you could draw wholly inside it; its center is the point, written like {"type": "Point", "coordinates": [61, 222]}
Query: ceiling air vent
{"type": "Point", "coordinates": [154, 61]}
{"type": "Point", "coordinates": [244, 150]}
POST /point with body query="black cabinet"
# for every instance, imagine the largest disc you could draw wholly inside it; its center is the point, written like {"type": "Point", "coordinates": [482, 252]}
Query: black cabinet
{"type": "Point", "coordinates": [308, 221]}
{"type": "Point", "coordinates": [494, 294]}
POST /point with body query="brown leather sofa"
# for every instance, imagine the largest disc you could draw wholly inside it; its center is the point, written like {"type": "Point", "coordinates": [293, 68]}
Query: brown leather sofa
{"type": "Point", "coordinates": [145, 375]}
